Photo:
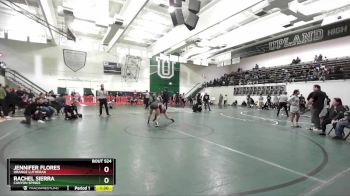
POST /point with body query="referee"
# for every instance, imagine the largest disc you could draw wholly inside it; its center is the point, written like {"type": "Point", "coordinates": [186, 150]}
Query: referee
{"type": "Point", "coordinates": [102, 98]}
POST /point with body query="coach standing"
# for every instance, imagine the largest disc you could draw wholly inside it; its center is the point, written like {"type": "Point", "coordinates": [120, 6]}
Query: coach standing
{"type": "Point", "coordinates": [102, 98]}
{"type": "Point", "coordinates": [317, 101]}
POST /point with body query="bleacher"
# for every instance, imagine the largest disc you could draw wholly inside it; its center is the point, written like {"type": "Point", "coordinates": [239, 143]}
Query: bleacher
{"type": "Point", "coordinates": [329, 69]}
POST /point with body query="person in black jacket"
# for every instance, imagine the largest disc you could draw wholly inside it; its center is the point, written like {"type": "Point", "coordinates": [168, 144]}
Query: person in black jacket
{"type": "Point", "coordinates": [316, 99]}
{"type": "Point", "coordinates": [165, 97]}
{"type": "Point", "coordinates": [335, 113]}
{"type": "Point", "coordinates": [10, 101]}
{"type": "Point", "coordinates": [31, 109]}
{"type": "Point", "coordinates": [206, 100]}
{"type": "Point", "coordinates": [71, 111]}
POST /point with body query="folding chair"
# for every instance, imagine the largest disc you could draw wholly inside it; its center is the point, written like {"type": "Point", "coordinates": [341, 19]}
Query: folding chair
{"type": "Point", "coordinates": [330, 131]}
{"type": "Point", "coordinates": [346, 137]}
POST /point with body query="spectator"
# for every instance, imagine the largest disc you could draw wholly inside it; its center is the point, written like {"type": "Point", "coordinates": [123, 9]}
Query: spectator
{"type": "Point", "coordinates": [206, 100]}
{"type": "Point", "coordinates": [165, 97]}
{"type": "Point", "coordinates": [225, 100]}
{"type": "Point", "coordinates": [268, 98]}
{"type": "Point", "coordinates": [2, 68]}
{"type": "Point", "coordinates": [302, 103]}
{"type": "Point", "coordinates": [339, 129]}
{"type": "Point", "coordinates": [283, 99]}
{"type": "Point", "coordinates": [316, 59]}
{"type": "Point", "coordinates": [177, 98]}
{"type": "Point", "coordinates": [248, 100]}
{"type": "Point", "coordinates": [146, 99]}
{"type": "Point", "coordinates": [235, 103]}
{"type": "Point", "coordinates": [61, 102]}
{"type": "Point", "coordinates": [221, 98]}
{"type": "Point", "coordinates": [71, 111]}
{"type": "Point", "coordinates": [10, 102]}
{"type": "Point", "coordinates": [335, 113]}
{"type": "Point", "coordinates": [320, 58]}
{"type": "Point", "coordinates": [46, 109]}
{"type": "Point", "coordinates": [190, 99]}
{"type": "Point", "coordinates": [30, 110]}
{"type": "Point", "coordinates": [316, 101]}
{"type": "Point", "coordinates": [261, 101]}
{"type": "Point", "coordinates": [2, 98]}
{"type": "Point", "coordinates": [275, 102]}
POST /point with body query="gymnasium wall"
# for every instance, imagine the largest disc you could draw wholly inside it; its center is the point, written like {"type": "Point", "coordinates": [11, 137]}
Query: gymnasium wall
{"type": "Point", "coordinates": [333, 88]}
{"type": "Point", "coordinates": [44, 65]}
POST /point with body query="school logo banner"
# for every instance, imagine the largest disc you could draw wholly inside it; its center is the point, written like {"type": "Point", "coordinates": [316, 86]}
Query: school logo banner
{"type": "Point", "coordinates": [164, 73]}
{"type": "Point", "coordinates": [165, 67]}
{"type": "Point", "coordinates": [73, 59]}
{"type": "Point", "coordinates": [297, 38]}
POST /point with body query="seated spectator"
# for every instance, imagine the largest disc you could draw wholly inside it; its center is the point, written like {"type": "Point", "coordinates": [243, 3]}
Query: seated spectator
{"type": "Point", "coordinates": [320, 58]}
{"type": "Point", "coordinates": [341, 124]}
{"type": "Point", "coordinates": [335, 113]}
{"type": "Point", "coordinates": [235, 103]}
{"type": "Point", "coordinates": [302, 103]}
{"type": "Point", "coordinates": [31, 110]}
{"type": "Point", "coordinates": [59, 103]}
{"type": "Point", "coordinates": [316, 58]}
{"type": "Point", "coordinates": [71, 111]}
{"type": "Point", "coordinates": [46, 109]}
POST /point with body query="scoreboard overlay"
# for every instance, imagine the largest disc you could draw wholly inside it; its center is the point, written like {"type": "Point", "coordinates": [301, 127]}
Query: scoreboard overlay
{"type": "Point", "coordinates": [95, 174]}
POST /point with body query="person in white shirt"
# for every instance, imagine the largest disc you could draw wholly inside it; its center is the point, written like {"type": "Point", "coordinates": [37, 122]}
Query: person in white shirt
{"type": "Point", "coordinates": [102, 98]}
{"type": "Point", "coordinates": [261, 101]}
{"type": "Point", "coordinates": [146, 99]}
{"type": "Point", "coordinates": [283, 99]}
{"type": "Point", "coordinates": [275, 102]}
{"type": "Point", "coordinates": [295, 108]}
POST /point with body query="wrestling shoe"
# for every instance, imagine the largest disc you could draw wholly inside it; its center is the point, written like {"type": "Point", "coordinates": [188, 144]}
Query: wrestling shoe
{"type": "Point", "coordinates": [156, 124]}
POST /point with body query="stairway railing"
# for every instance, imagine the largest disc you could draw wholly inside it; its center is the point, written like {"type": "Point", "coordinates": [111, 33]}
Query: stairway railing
{"type": "Point", "coordinates": [194, 90]}
{"type": "Point", "coordinates": [22, 81]}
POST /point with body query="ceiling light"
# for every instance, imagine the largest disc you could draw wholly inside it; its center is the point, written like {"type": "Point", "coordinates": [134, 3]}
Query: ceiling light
{"type": "Point", "coordinates": [171, 9]}
{"type": "Point", "coordinates": [60, 10]}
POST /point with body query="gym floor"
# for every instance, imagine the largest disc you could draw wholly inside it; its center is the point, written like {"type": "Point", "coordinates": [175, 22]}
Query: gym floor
{"type": "Point", "coordinates": [235, 151]}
